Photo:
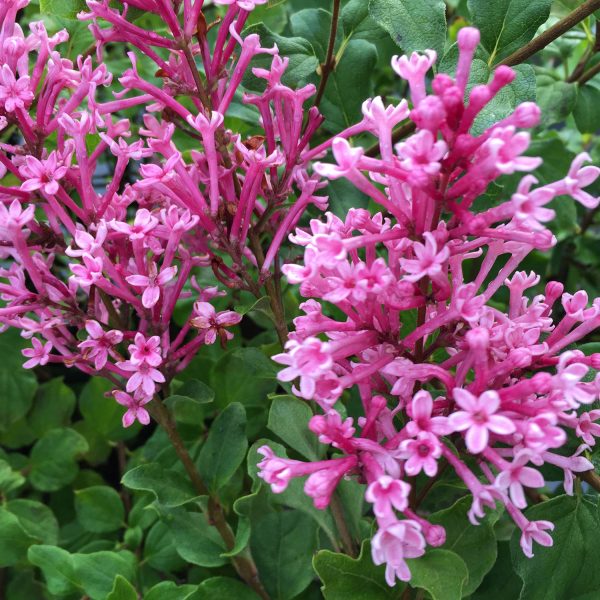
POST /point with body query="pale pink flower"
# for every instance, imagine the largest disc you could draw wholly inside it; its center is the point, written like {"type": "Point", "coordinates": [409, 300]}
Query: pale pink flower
{"type": "Point", "coordinates": [535, 531]}
{"type": "Point", "coordinates": [38, 355]}
{"type": "Point", "coordinates": [420, 410]}
{"type": "Point", "coordinates": [99, 343]}
{"type": "Point", "coordinates": [144, 378]}
{"type": "Point", "coordinates": [88, 273]}
{"type": "Point", "coordinates": [135, 408]}
{"type": "Point", "coordinates": [517, 475]}
{"type": "Point", "coordinates": [478, 418]}
{"type": "Point", "coordinates": [143, 224]}
{"type": "Point", "coordinates": [346, 157]}
{"type": "Point", "coordinates": [386, 494]}
{"type": "Point", "coordinates": [395, 543]}
{"type": "Point", "coordinates": [580, 177]}
{"type": "Point", "coordinates": [212, 323]}
{"type": "Point", "coordinates": [14, 93]}
{"type": "Point", "coordinates": [421, 454]}
{"type": "Point", "coordinates": [152, 283]}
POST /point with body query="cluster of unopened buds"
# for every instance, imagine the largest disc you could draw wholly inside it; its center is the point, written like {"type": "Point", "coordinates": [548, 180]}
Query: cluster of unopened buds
{"type": "Point", "coordinates": [488, 393]}
{"type": "Point", "coordinates": [93, 276]}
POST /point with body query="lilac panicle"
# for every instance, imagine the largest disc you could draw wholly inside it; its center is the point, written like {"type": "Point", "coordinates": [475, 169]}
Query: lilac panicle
{"type": "Point", "coordinates": [497, 385]}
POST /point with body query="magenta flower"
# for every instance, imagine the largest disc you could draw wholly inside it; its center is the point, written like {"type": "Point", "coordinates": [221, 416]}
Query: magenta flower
{"type": "Point", "coordinates": [395, 543]}
{"type": "Point", "coordinates": [135, 408]}
{"type": "Point", "coordinates": [587, 428]}
{"type": "Point", "coordinates": [88, 273]}
{"type": "Point", "coordinates": [38, 355]}
{"type": "Point", "coordinates": [145, 350]}
{"type": "Point", "coordinates": [243, 4]}
{"type": "Point", "coordinates": [420, 411]}
{"type": "Point", "coordinates": [428, 261]}
{"type": "Point", "coordinates": [143, 224]}
{"type": "Point", "coordinates": [14, 93]}
{"type": "Point", "coordinates": [517, 475]}
{"type": "Point", "coordinates": [580, 177]}
{"type": "Point", "coordinates": [478, 418]}
{"type": "Point", "coordinates": [275, 471]}
{"type": "Point", "coordinates": [386, 494]}
{"type": "Point", "coordinates": [421, 454]}
{"type": "Point", "coordinates": [213, 324]}
{"type": "Point", "coordinates": [42, 174]}
{"type": "Point", "coordinates": [306, 360]}
{"type": "Point", "coordinates": [144, 378]}
{"type": "Point", "coordinates": [99, 343]}
{"type": "Point", "coordinates": [152, 283]}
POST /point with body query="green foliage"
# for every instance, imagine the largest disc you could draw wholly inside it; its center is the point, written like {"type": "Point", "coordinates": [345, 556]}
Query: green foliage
{"type": "Point", "coordinates": [99, 509]}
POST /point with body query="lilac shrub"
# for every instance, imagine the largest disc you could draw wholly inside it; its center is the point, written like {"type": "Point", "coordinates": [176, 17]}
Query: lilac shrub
{"type": "Point", "coordinates": [94, 276]}
{"type": "Point", "coordinates": [443, 375]}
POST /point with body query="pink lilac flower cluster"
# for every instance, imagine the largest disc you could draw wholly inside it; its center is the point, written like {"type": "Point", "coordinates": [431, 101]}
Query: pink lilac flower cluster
{"type": "Point", "coordinates": [491, 394]}
{"type": "Point", "coordinates": [92, 276]}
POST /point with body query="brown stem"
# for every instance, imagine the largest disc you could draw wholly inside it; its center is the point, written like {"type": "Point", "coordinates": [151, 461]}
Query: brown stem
{"type": "Point", "coordinates": [552, 33]}
{"type": "Point", "coordinates": [244, 565]}
{"type": "Point", "coordinates": [337, 511]}
{"type": "Point", "coordinates": [587, 75]}
{"type": "Point", "coordinates": [592, 478]}
{"type": "Point", "coordinates": [329, 64]}
{"type": "Point", "coordinates": [202, 93]}
{"type": "Point", "coordinates": [588, 220]}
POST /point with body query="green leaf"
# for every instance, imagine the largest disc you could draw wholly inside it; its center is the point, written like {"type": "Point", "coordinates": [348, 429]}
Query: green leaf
{"type": "Point", "coordinates": [58, 568]}
{"type": "Point", "coordinates": [67, 9]}
{"type": "Point", "coordinates": [223, 588]}
{"type": "Point", "coordinates": [122, 590]}
{"type": "Point", "coordinates": [14, 541]}
{"type": "Point", "coordinates": [314, 26]}
{"type": "Point", "coordinates": [54, 459]}
{"type": "Point", "coordinates": [475, 545]}
{"type": "Point", "coordinates": [441, 572]}
{"type": "Point", "coordinates": [415, 25]}
{"type": "Point", "coordinates": [9, 480]}
{"type": "Point", "coordinates": [196, 541]}
{"type": "Point", "coordinates": [36, 519]}
{"type": "Point", "coordinates": [187, 405]}
{"type": "Point", "coordinates": [17, 385]}
{"type": "Point", "coordinates": [167, 590]}
{"type": "Point", "coordinates": [569, 568]}
{"type": "Point", "coordinates": [243, 375]}
{"type": "Point", "coordinates": [103, 412]}
{"type": "Point", "coordinates": [347, 86]}
{"type": "Point", "coordinates": [170, 488]}
{"type": "Point", "coordinates": [97, 571]}
{"type": "Point", "coordinates": [282, 544]}
{"type": "Point", "coordinates": [225, 448]}
{"type": "Point", "coordinates": [99, 509]}
{"type": "Point", "coordinates": [357, 23]}
{"type": "Point", "coordinates": [557, 99]}
{"type": "Point", "coordinates": [160, 549]}
{"type": "Point", "coordinates": [507, 25]}
{"type": "Point", "coordinates": [587, 109]}
{"type": "Point", "coordinates": [54, 404]}
{"type": "Point", "coordinates": [288, 418]}
{"type": "Point", "coordinates": [346, 578]}
{"type": "Point", "coordinates": [501, 582]}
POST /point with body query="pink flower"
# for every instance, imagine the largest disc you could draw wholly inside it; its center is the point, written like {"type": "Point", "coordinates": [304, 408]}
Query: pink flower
{"type": "Point", "coordinates": [145, 350]}
{"type": "Point", "coordinates": [38, 355]}
{"type": "Point", "coordinates": [536, 531]}
{"type": "Point", "coordinates": [88, 273]}
{"type": "Point", "coordinates": [308, 360]}
{"type": "Point", "coordinates": [395, 543]}
{"type": "Point", "coordinates": [143, 224]}
{"type": "Point", "coordinates": [99, 343]}
{"type": "Point", "coordinates": [42, 174]}
{"type": "Point", "coordinates": [518, 475]}
{"type": "Point", "coordinates": [386, 494]}
{"type": "Point", "coordinates": [567, 382]}
{"type": "Point", "coordinates": [478, 418]}
{"type": "Point", "coordinates": [15, 217]}
{"type": "Point", "coordinates": [580, 177]}
{"type": "Point", "coordinates": [587, 428]}
{"type": "Point", "coordinates": [347, 159]}
{"type": "Point", "coordinates": [144, 378]}
{"type": "Point", "coordinates": [421, 152]}
{"type": "Point", "coordinates": [428, 261]}
{"type": "Point", "coordinates": [14, 93]}
{"type": "Point", "coordinates": [421, 454]}
{"type": "Point", "coordinates": [420, 411]}
{"type": "Point", "coordinates": [243, 4]}
{"type": "Point", "coordinates": [275, 471]}
{"type": "Point", "coordinates": [206, 319]}
{"type": "Point", "coordinates": [152, 283]}
{"type": "Point", "coordinates": [529, 205]}
{"type": "Point", "coordinates": [135, 408]}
